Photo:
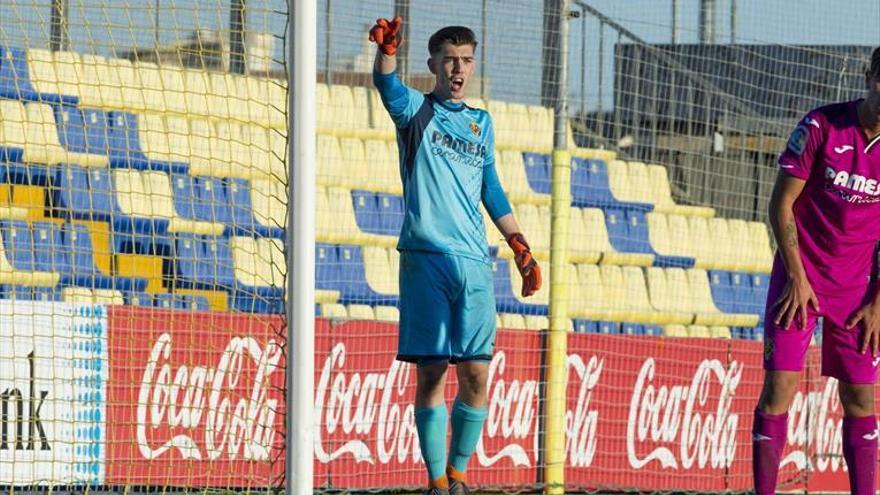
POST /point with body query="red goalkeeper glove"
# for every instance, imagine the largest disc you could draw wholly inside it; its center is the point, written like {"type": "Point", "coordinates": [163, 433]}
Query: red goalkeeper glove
{"type": "Point", "coordinates": [526, 263]}
{"type": "Point", "coordinates": [387, 34]}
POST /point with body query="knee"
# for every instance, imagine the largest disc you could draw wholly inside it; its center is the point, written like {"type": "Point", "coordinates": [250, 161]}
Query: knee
{"type": "Point", "coordinates": [778, 391]}
{"type": "Point", "coordinates": [473, 379]}
{"type": "Point", "coordinates": [432, 375]}
{"type": "Point", "coordinates": [857, 400]}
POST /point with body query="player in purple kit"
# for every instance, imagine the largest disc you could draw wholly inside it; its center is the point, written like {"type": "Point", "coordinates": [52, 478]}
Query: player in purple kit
{"type": "Point", "coordinates": [825, 213]}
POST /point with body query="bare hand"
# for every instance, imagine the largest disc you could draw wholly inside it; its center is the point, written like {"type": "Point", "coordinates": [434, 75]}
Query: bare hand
{"type": "Point", "coordinates": [869, 316]}
{"type": "Point", "coordinates": [796, 295]}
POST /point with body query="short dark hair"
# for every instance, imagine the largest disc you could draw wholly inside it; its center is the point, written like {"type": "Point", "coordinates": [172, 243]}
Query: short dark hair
{"type": "Point", "coordinates": [456, 35]}
{"type": "Point", "coordinates": [874, 69]}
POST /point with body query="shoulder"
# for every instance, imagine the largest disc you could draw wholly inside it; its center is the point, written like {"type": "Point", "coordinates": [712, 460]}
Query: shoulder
{"type": "Point", "coordinates": [834, 113]}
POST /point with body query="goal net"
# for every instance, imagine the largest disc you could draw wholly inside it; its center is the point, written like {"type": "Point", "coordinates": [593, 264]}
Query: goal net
{"type": "Point", "coordinates": [143, 207]}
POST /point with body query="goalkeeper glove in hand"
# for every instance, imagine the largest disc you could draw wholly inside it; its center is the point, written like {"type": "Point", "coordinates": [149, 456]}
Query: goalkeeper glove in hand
{"type": "Point", "coordinates": [386, 34]}
{"type": "Point", "coordinates": [526, 263]}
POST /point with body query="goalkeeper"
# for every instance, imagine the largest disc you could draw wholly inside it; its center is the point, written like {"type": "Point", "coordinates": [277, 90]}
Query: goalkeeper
{"type": "Point", "coordinates": [447, 301]}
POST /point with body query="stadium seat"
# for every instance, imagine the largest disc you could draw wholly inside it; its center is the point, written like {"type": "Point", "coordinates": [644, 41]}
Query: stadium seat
{"type": "Point", "coordinates": [609, 327]}
{"type": "Point", "coordinates": [679, 235]}
{"type": "Point", "coordinates": [330, 167]}
{"type": "Point", "coordinates": [269, 201]}
{"type": "Point", "coordinates": [99, 83]}
{"type": "Point", "coordinates": [536, 322]}
{"type": "Point", "coordinates": [661, 195]}
{"type": "Point", "coordinates": [541, 121]}
{"type": "Point", "coordinates": [722, 291]}
{"type": "Point", "coordinates": [361, 312]}
{"type": "Point", "coordinates": [387, 313]}
{"type": "Point", "coordinates": [151, 85]}
{"type": "Point", "coordinates": [699, 332]}
{"type": "Point", "coordinates": [512, 170]}
{"type": "Point", "coordinates": [675, 330]}
{"type": "Point", "coordinates": [196, 88]}
{"type": "Point", "coordinates": [124, 146]}
{"type": "Point", "coordinates": [507, 290]}
{"type": "Point", "coordinates": [628, 240]}
{"type": "Point", "coordinates": [83, 193]}
{"type": "Point", "coordinates": [667, 297]}
{"type": "Point", "coordinates": [703, 245]}
{"type": "Point", "coordinates": [583, 242]}
{"type": "Point", "coordinates": [83, 295]}
{"type": "Point", "coordinates": [535, 224]}
{"type": "Point", "coordinates": [353, 284]}
{"type": "Point", "coordinates": [201, 262]}
{"type": "Point", "coordinates": [17, 262]}
{"type": "Point", "coordinates": [15, 81]}
{"type": "Point", "coordinates": [623, 187]}
{"type": "Point", "coordinates": [637, 301]}
{"type": "Point", "coordinates": [82, 130]}
{"type": "Point", "coordinates": [662, 242]}
{"type": "Point", "coordinates": [55, 74]}
{"type": "Point", "coordinates": [720, 332]}
{"type": "Point", "coordinates": [74, 258]}
{"type": "Point", "coordinates": [590, 186]}
{"type": "Point", "coordinates": [139, 299]}
{"type": "Point", "coordinates": [238, 193]}
{"type": "Point", "coordinates": [587, 298]}
{"type": "Point", "coordinates": [513, 321]}
{"type": "Point", "coordinates": [380, 121]}
{"type": "Point", "coordinates": [537, 167]}
{"type": "Point", "coordinates": [382, 169]}
{"type": "Point", "coordinates": [259, 268]}
{"type": "Point", "coordinates": [352, 171]}
{"type": "Point", "coordinates": [701, 303]}
{"type": "Point", "coordinates": [378, 271]}
{"type": "Point", "coordinates": [727, 250]}
{"type": "Point", "coordinates": [334, 311]}
{"type": "Point", "coordinates": [760, 247]}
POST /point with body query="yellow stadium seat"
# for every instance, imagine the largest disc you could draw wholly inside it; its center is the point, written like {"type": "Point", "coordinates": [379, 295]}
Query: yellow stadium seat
{"type": "Point", "coordinates": [541, 120]}
{"type": "Point", "coordinates": [361, 106]}
{"type": "Point", "coordinates": [724, 250]}
{"type": "Point", "coordinates": [618, 180]}
{"type": "Point", "coordinates": [702, 243]}
{"type": "Point", "coordinates": [394, 259]}
{"type": "Point", "coordinates": [743, 256]}
{"type": "Point", "coordinates": [258, 262]}
{"type": "Point", "coordinates": [534, 221]}
{"type": "Point", "coordinates": [639, 182]}
{"type": "Point", "coordinates": [42, 71]}
{"type": "Point", "coordinates": [493, 236]}
{"type": "Point", "coordinates": [638, 303]}
{"type": "Point", "coordinates": [269, 201]}
{"type": "Point", "coordinates": [675, 330]}
{"type": "Point", "coordinates": [380, 121]}
{"type": "Point", "coordinates": [148, 194]}
{"type": "Point", "coordinates": [173, 89]}
{"type": "Point", "coordinates": [500, 121]}
{"type": "Point", "coordinates": [760, 239]}
{"type": "Point", "coordinates": [382, 169]}
{"type": "Point", "coordinates": [41, 143]}
{"type": "Point", "coordinates": [334, 311]}
{"type": "Point", "coordinates": [387, 313]}
{"type": "Point", "coordinates": [668, 298]}
{"type": "Point", "coordinates": [658, 233]}
{"type": "Point", "coordinates": [65, 69]}
{"type": "Point", "coordinates": [587, 296]}
{"type": "Point", "coordinates": [196, 88]}
{"type": "Point", "coordinates": [237, 103]}
{"type": "Point", "coordinates": [615, 292]}
{"type": "Point", "coordinates": [346, 116]}
{"type": "Point", "coordinates": [698, 332]}
{"type": "Point", "coordinates": [236, 137]}
{"type": "Point", "coordinates": [380, 276]}
{"type": "Point", "coordinates": [354, 161]}
{"type": "Point", "coordinates": [134, 96]}
{"type": "Point", "coordinates": [82, 295]}
{"type": "Point", "coordinates": [99, 86]}
{"type": "Point", "coordinates": [513, 131]}
{"type": "Point", "coordinates": [680, 235]}
{"type": "Point", "coordinates": [537, 322]}
{"type": "Point", "coordinates": [152, 86]}
{"type": "Point", "coordinates": [155, 139]}
{"type": "Point", "coordinates": [581, 248]}
{"type": "Point", "coordinates": [512, 321]}
{"type": "Point", "coordinates": [324, 108]}
{"type": "Point", "coordinates": [276, 103]}
{"type": "Point", "coordinates": [720, 332]}
{"type": "Point", "coordinates": [331, 168]}
{"type": "Point", "coordinates": [661, 193]}
{"type": "Point", "coordinates": [513, 174]}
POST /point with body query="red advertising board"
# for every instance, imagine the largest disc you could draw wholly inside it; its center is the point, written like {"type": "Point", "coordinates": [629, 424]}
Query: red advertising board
{"type": "Point", "coordinates": [643, 413]}
{"type": "Point", "coordinates": [194, 399]}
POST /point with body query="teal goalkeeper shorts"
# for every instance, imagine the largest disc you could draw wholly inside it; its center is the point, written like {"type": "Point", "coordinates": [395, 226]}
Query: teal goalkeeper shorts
{"type": "Point", "coordinates": [447, 308]}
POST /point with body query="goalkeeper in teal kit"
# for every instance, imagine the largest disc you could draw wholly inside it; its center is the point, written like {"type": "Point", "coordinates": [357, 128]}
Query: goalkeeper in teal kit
{"type": "Point", "coordinates": [447, 300]}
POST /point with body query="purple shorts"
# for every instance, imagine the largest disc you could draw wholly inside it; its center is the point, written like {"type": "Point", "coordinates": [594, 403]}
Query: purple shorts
{"type": "Point", "coordinates": [786, 349]}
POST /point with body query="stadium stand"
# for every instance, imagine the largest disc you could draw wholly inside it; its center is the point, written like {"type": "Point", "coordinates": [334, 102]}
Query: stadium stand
{"type": "Point", "coordinates": [163, 186]}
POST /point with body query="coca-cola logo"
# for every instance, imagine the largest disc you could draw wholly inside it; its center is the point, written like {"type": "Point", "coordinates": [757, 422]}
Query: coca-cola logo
{"type": "Point", "coordinates": [370, 416]}
{"type": "Point", "coordinates": [581, 422]}
{"type": "Point", "coordinates": [815, 424]}
{"type": "Point", "coordinates": [203, 412]}
{"type": "Point", "coordinates": [675, 426]}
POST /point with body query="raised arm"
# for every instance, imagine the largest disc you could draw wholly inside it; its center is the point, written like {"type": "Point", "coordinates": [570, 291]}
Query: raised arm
{"type": "Point", "coordinates": [401, 102]}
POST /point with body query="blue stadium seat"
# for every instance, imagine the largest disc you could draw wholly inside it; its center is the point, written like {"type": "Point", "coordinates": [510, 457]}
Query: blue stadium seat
{"type": "Point", "coordinates": [618, 230]}
{"type": "Point", "coordinates": [352, 284]}
{"type": "Point", "coordinates": [200, 262]}
{"type": "Point", "coordinates": [390, 211]}
{"type": "Point", "coordinates": [628, 328]}
{"type": "Point", "coordinates": [26, 293]}
{"type": "Point", "coordinates": [722, 292]}
{"type": "Point", "coordinates": [505, 300]}
{"type": "Point", "coordinates": [201, 198]}
{"type": "Point", "coordinates": [82, 130]}
{"type": "Point", "coordinates": [15, 81]}
{"type": "Point", "coordinates": [80, 269]}
{"type": "Point", "coordinates": [327, 273]}
{"type": "Point", "coordinates": [181, 301]}
{"type": "Point", "coordinates": [742, 293]}
{"type": "Point", "coordinates": [83, 194]}
{"type": "Point", "coordinates": [538, 171]}
{"type": "Point", "coordinates": [140, 299]}
{"type": "Point", "coordinates": [255, 303]}
{"type": "Point", "coordinates": [586, 326]}
{"type": "Point", "coordinates": [759, 283]}
{"type": "Point", "coordinates": [609, 327]}
{"type": "Point", "coordinates": [241, 212]}
{"type": "Point", "coordinates": [653, 330]}
{"type": "Point", "coordinates": [50, 253]}
{"type": "Point", "coordinates": [19, 245]}
{"type": "Point", "coordinates": [590, 187]}
{"type": "Point", "coordinates": [366, 213]}
{"type": "Point", "coordinates": [125, 147]}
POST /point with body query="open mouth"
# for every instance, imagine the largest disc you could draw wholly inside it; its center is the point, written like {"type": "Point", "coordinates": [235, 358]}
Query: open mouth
{"type": "Point", "coordinates": [456, 83]}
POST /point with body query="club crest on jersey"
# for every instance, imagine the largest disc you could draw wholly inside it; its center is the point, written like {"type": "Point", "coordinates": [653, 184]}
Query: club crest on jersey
{"type": "Point", "coordinates": [476, 129]}
{"type": "Point", "coordinates": [798, 140]}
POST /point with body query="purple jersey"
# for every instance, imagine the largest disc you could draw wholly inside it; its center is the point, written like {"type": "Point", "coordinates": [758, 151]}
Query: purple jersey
{"type": "Point", "coordinates": [838, 212]}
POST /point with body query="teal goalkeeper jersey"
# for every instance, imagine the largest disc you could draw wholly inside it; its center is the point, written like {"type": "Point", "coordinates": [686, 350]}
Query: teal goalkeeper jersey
{"type": "Point", "coordinates": [447, 166]}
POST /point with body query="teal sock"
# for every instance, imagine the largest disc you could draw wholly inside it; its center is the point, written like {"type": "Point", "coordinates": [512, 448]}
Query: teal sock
{"type": "Point", "coordinates": [431, 425]}
{"type": "Point", "coordinates": [467, 425]}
